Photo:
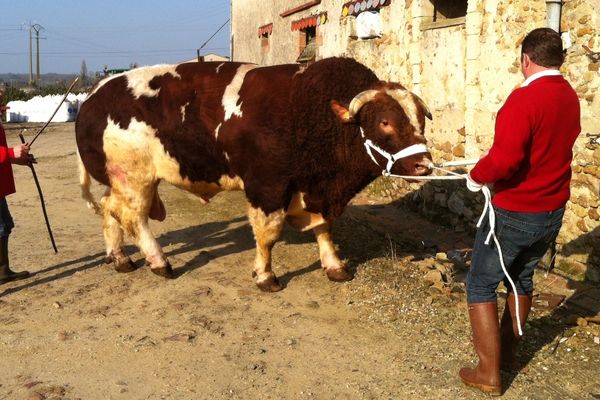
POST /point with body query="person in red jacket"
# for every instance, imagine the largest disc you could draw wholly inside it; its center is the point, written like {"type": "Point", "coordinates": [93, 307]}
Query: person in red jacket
{"type": "Point", "coordinates": [529, 166]}
{"type": "Point", "coordinates": [8, 155]}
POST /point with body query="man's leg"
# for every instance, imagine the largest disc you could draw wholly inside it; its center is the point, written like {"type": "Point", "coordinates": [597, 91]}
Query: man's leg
{"type": "Point", "coordinates": [484, 276]}
{"type": "Point", "coordinates": [6, 225]}
{"type": "Point", "coordinates": [547, 226]}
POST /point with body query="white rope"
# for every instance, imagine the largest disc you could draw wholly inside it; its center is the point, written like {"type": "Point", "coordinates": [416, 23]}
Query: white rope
{"type": "Point", "coordinates": [487, 208]}
{"type": "Point", "coordinates": [492, 217]}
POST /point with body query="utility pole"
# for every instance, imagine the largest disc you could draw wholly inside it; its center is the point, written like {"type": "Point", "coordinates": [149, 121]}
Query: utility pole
{"type": "Point", "coordinates": [37, 28]}
{"type": "Point", "coordinates": [30, 58]}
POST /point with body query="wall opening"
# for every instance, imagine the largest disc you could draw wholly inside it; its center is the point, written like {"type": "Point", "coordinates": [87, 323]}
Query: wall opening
{"type": "Point", "coordinates": [448, 9]}
{"type": "Point", "coordinates": [443, 13]}
{"type": "Point", "coordinates": [307, 44]}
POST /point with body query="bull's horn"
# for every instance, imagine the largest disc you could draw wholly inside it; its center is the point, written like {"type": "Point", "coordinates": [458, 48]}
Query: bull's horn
{"type": "Point", "coordinates": [427, 112]}
{"type": "Point", "coordinates": [360, 100]}
{"type": "Point", "coordinates": [400, 95]}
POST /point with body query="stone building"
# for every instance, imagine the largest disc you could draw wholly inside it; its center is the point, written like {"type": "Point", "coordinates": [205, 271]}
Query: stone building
{"type": "Point", "coordinates": [462, 57]}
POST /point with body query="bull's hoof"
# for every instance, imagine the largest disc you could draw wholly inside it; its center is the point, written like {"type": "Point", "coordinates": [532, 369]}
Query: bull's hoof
{"type": "Point", "coordinates": [165, 272]}
{"type": "Point", "coordinates": [271, 284]}
{"type": "Point", "coordinates": [126, 265]}
{"type": "Point", "coordinates": [338, 275]}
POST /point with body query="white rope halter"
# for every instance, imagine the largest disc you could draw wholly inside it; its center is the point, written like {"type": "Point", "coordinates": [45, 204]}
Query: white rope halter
{"type": "Point", "coordinates": [487, 208]}
{"type": "Point", "coordinates": [391, 158]}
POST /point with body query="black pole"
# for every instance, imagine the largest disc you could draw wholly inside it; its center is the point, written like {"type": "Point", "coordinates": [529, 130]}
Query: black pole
{"type": "Point", "coordinates": [39, 189]}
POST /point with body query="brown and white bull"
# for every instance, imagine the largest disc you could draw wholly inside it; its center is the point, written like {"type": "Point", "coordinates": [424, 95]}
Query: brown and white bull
{"type": "Point", "coordinates": [292, 138]}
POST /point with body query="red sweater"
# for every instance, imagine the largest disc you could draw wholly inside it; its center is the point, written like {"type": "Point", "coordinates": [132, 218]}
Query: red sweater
{"type": "Point", "coordinates": [530, 160]}
{"type": "Point", "coordinates": [7, 182]}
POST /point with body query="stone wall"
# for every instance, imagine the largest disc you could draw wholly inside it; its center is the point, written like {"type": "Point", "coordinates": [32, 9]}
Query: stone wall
{"type": "Point", "coordinates": [464, 69]}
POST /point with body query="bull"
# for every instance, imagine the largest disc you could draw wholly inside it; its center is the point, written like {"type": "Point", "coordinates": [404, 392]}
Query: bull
{"type": "Point", "coordinates": [291, 137]}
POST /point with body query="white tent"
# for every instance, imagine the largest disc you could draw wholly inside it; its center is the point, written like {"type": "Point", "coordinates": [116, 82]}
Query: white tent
{"type": "Point", "coordinates": [40, 109]}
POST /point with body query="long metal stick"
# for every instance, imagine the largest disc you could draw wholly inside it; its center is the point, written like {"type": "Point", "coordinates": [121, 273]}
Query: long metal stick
{"type": "Point", "coordinates": [39, 189]}
{"type": "Point", "coordinates": [55, 111]}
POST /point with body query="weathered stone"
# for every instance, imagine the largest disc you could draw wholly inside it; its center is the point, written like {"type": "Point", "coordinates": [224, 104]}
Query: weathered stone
{"type": "Point", "coordinates": [587, 30]}
{"type": "Point", "coordinates": [446, 147]}
{"type": "Point", "coordinates": [578, 210]}
{"type": "Point", "coordinates": [582, 89]}
{"type": "Point", "coordinates": [593, 214]}
{"type": "Point", "coordinates": [456, 203]}
{"type": "Point", "coordinates": [589, 76]}
{"type": "Point", "coordinates": [594, 66]}
{"type": "Point", "coordinates": [595, 171]}
{"type": "Point", "coordinates": [459, 150]}
{"type": "Point", "coordinates": [584, 20]}
{"type": "Point", "coordinates": [440, 199]}
{"type": "Point", "coordinates": [596, 156]}
{"type": "Point", "coordinates": [583, 226]}
{"type": "Point", "coordinates": [433, 276]}
{"type": "Point", "coordinates": [441, 256]}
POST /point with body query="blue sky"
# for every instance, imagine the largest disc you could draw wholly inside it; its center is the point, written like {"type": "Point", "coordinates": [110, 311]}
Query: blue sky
{"type": "Point", "coordinates": [109, 32]}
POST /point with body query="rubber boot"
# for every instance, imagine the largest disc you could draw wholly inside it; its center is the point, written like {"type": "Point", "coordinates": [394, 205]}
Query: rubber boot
{"type": "Point", "coordinates": [509, 332]}
{"type": "Point", "coordinates": [486, 339]}
{"type": "Point", "coordinates": [6, 275]}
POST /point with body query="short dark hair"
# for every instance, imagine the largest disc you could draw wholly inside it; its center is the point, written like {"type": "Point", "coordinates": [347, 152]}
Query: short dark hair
{"type": "Point", "coordinates": [544, 47]}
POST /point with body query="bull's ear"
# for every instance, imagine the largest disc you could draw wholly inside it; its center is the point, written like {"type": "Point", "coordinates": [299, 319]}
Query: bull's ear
{"type": "Point", "coordinates": [341, 112]}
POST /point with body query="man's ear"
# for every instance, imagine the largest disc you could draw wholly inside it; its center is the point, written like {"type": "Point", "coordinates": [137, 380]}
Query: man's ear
{"type": "Point", "coordinates": [341, 112]}
{"type": "Point", "coordinates": [525, 60]}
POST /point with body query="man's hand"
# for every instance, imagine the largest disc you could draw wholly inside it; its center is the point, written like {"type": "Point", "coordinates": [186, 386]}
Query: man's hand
{"type": "Point", "coordinates": [472, 185]}
{"type": "Point", "coordinates": [22, 156]}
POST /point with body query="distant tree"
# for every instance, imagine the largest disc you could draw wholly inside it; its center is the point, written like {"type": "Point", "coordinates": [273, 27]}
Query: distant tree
{"type": "Point", "coordinates": [83, 73]}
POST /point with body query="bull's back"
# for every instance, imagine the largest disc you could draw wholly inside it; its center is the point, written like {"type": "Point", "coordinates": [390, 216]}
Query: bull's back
{"type": "Point", "coordinates": [168, 113]}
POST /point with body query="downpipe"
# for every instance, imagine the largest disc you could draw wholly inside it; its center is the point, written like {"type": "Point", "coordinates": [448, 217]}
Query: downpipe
{"type": "Point", "coordinates": [553, 14]}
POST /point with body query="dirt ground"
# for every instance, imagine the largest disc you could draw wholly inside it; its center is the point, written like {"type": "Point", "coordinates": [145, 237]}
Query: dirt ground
{"type": "Point", "coordinates": [76, 329]}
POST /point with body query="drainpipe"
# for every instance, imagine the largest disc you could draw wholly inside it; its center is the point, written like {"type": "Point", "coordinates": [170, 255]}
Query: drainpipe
{"type": "Point", "coordinates": [553, 9]}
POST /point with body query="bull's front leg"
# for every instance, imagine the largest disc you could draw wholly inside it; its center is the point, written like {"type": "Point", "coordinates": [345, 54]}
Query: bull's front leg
{"type": "Point", "coordinates": [267, 229]}
{"type": "Point", "coordinates": [333, 266]}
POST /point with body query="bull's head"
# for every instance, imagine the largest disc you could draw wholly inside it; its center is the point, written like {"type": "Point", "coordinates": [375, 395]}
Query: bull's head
{"type": "Point", "coordinates": [392, 121]}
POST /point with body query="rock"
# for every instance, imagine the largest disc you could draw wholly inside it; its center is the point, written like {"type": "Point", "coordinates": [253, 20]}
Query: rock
{"type": "Point", "coordinates": [459, 150]}
{"type": "Point", "coordinates": [35, 396]}
{"type": "Point", "coordinates": [181, 337]}
{"type": "Point", "coordinates": [547, 301]}
{"type": "Point", "coordinates": [312, 304]}
{"type": "Point", "coordinates": [433, 276]}
{"type": "Point", "coordinates": [56, 304]}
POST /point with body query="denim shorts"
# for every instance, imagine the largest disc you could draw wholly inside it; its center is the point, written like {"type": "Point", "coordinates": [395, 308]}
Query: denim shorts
{"type": "Point", "coordinates": [6, 221]}
{"type": "Point", "coordinates": [524, 239]}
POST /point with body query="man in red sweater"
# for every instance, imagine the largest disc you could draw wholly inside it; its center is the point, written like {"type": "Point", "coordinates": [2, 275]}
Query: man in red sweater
{"type": "Point", "coordinates": [529, 166]}
{"type": "Point", "coordinates": [8, 155]}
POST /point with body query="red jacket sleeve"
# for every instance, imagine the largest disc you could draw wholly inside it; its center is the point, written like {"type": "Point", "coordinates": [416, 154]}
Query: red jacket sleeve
{"type": "Point", "coordinates": [511, 138]}
{"type": "Point", "coordinates": [6, 154]}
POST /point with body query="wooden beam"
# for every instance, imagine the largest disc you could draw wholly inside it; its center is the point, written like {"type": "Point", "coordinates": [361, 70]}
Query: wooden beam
{"type": "Point", "coordinates": [300, 8]}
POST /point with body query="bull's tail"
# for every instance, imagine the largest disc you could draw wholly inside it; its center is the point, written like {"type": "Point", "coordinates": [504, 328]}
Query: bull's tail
{"type": "Point", "coordinates": [86, 182]}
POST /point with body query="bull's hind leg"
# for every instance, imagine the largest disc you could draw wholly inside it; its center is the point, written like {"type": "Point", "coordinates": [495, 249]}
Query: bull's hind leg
{"type": "Point", "coordinates": [334, 267]}
{"type": "Point", "coordinates": [132, 213]}
{"type": "Point", "coordinates": [113, 237]}
{"type": "Point", "coordinates": [267, 229]}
